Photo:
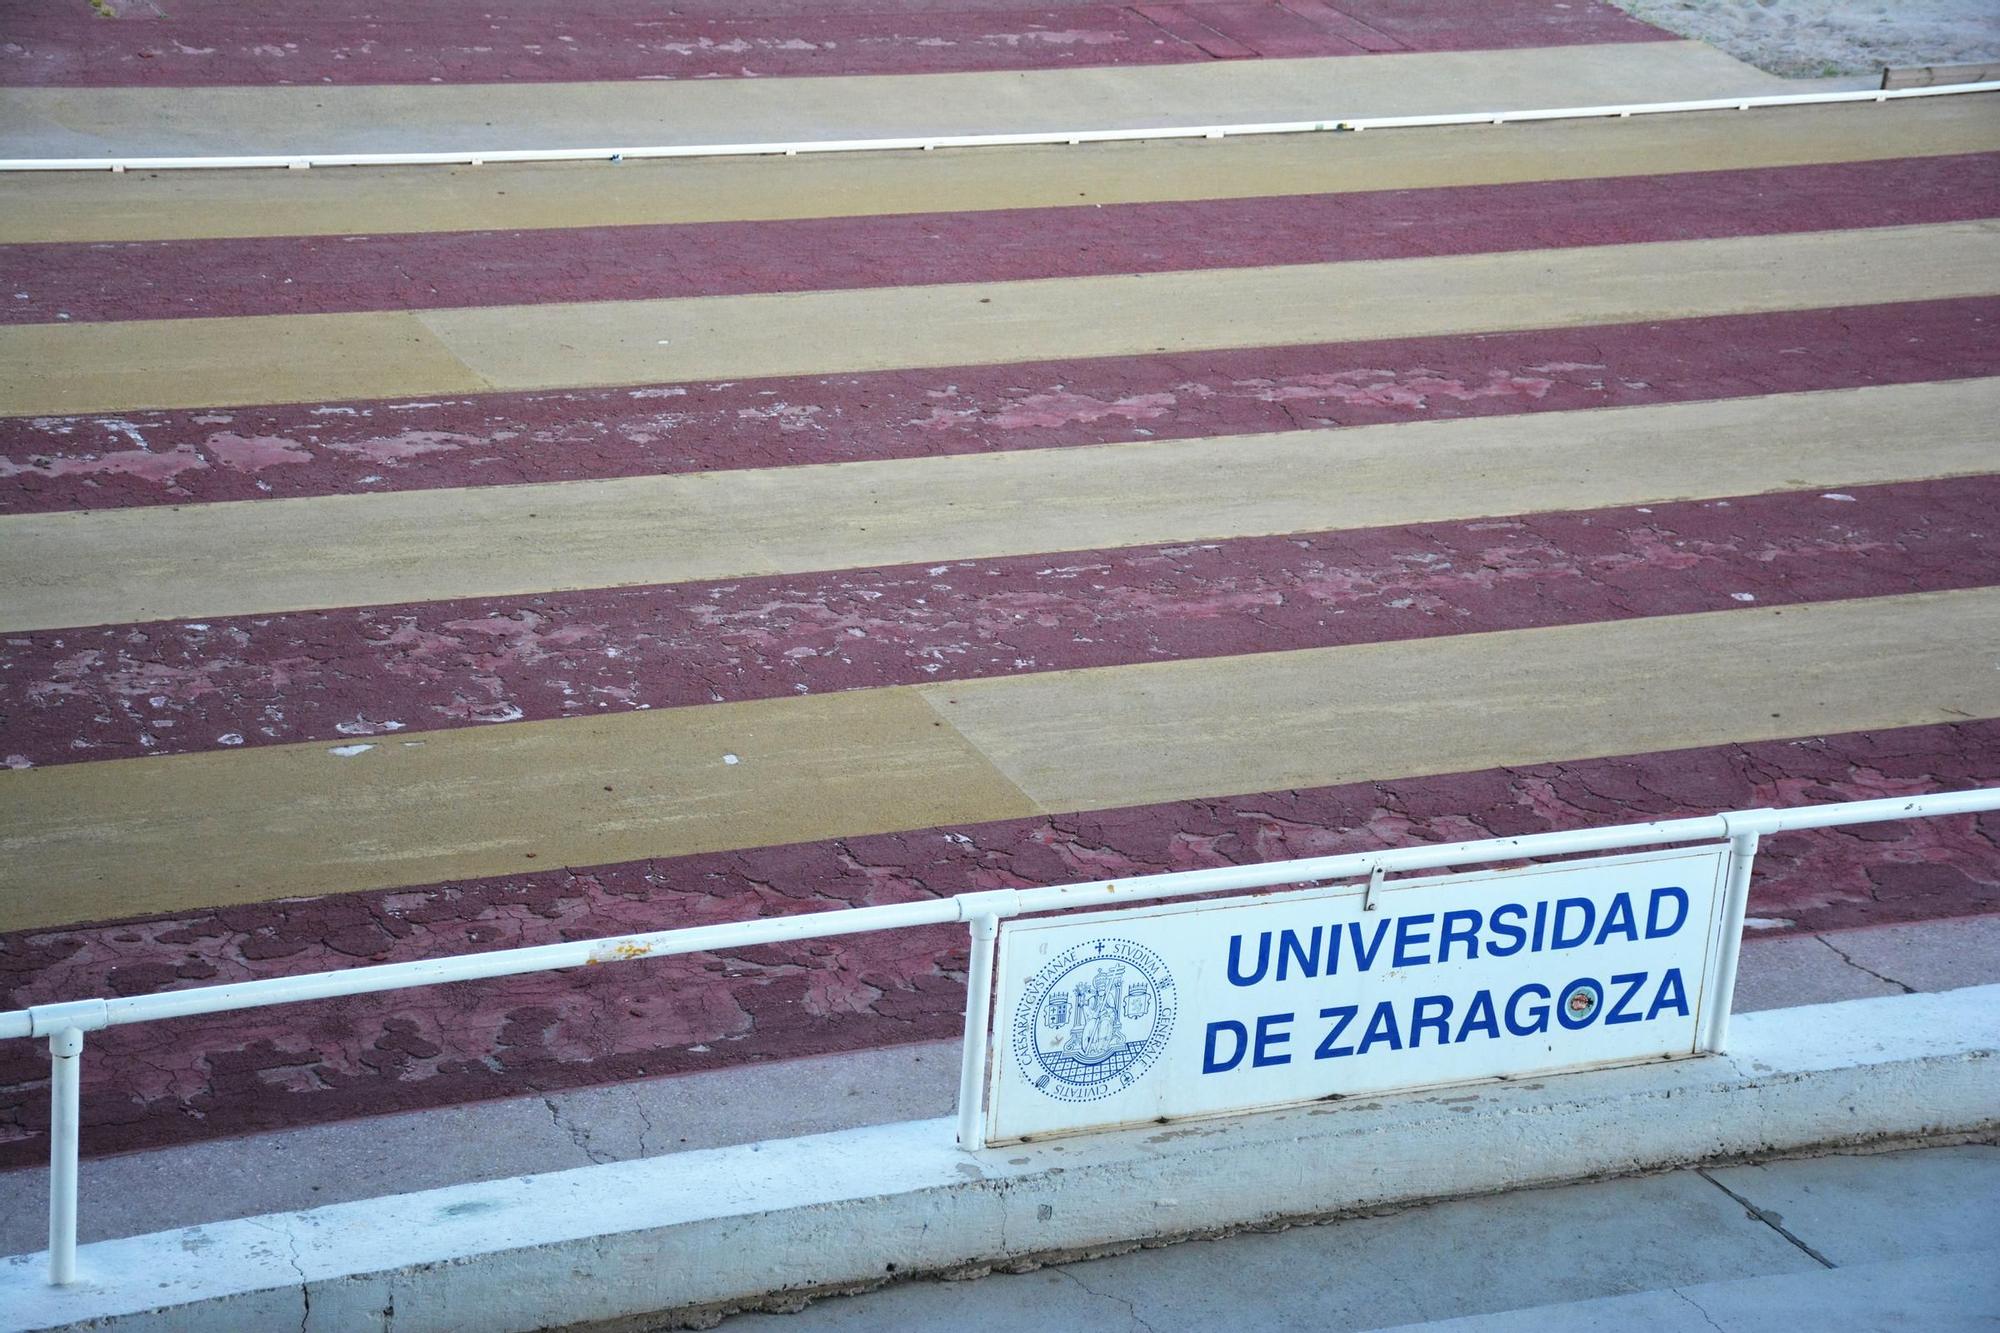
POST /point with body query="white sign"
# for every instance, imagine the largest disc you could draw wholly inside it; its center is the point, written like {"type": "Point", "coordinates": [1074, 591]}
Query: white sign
{"type": "Point", "coordinates": [1203, 1008]}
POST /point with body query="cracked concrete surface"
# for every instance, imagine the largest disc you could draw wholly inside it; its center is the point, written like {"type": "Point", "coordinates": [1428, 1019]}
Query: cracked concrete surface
{"type": "Point", "coordinates": [1129, 1306]}
{"type": "Point", "coordinates": [578, 1134]}
{"type": "Point", "coordinates": [1848, 959]}
{"type": "Point", "coordinates": [1886, 960]}
{"type": "Point", "coordinates": [1775, 1221]}
{"type": "Point", "coordinates": [1705, 1316]}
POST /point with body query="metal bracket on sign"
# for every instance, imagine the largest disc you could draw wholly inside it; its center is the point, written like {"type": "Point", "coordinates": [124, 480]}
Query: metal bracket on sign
{"type": "Point", "coordinates": [1375, 874]}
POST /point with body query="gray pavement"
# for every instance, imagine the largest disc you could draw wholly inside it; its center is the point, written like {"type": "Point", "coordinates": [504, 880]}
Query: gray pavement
{"type": "Point", "coordinates": [1941, 1294]}
{"type": "Point", "coordinates": [1894, 1240]}
{"type": "Point", "coordinates": [1785, 971]}
{"type": "Point", "coordinates": [137, 1193]}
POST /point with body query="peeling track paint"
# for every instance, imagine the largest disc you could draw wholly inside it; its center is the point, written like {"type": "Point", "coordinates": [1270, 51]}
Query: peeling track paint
{"type": "Point", "coordinates": [318, 274]}
{"type": "Point", "coordinates": [496, 439]}
{"type": "Point", "coordinates": [180, 687]}
{"type": "Point", "coordinates": [198, 1079]}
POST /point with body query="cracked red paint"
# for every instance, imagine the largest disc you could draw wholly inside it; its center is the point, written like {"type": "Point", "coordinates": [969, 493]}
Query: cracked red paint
{"type": "Point", "coordinates": [202, 1078]}
{"type": "Point", "coordinates": [1384, 388]}
{"type": "Point", "coordinates": [138, 464]}
{"type": "Point", "coordinates": [499, 439]}
{"type": "Point", "coordinates": [181, 687]}
{"type": "Point", "coordinates": [254, 453]}
{"type": "Point", "coordinates": [1045, 411]}
{"type": "Point", "coordinates": [313, 274]}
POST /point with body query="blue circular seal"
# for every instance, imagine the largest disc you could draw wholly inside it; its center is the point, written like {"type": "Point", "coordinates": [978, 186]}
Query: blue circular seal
{"type": "Point", "coordinates": [1093, 1020]}
{"type": "Point", "coordinates": [1579, 1004]}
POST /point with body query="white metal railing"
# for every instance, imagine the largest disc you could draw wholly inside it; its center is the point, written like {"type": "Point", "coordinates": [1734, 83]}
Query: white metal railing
{"type": "Point", "coordinates": [477, 157]}
{"type": "Point", "coordinates": [63, 1025]}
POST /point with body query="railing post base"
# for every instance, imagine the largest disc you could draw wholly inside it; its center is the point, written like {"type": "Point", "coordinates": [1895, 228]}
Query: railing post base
{"type": "Point", "coordinates": [65, 1102]}
{"type": "Point", "coordinates": [1729, 949]}
{"type": "Point", "coordinates": [978, 1018]}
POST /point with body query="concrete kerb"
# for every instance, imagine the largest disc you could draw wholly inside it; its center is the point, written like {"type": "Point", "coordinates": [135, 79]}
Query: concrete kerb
{"type": "Point", "coordinates": [696, 1234]}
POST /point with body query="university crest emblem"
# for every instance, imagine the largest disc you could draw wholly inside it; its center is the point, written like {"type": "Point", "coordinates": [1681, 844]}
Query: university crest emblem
{"type": "Point", "coordinates": [1093, 1020]}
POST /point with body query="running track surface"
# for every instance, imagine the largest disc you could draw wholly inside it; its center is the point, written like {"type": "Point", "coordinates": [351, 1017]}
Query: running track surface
{"type": "Point", "coordinates": [192, 793]}
{"type": "Point", "coordinates": [195, 43]}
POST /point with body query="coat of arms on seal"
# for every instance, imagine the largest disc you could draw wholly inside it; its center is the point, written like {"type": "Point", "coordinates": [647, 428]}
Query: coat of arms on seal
{"type": "Point", "coordinates": [1094, 1019]}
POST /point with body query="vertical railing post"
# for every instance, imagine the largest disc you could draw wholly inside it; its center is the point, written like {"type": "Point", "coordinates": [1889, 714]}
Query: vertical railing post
{"type": "Point", "coordinates": [1735, 904]}
{"type": "Point", "coordinates": [978, 1019]}
{"type": "Point", "coordinates": [65, 1115]}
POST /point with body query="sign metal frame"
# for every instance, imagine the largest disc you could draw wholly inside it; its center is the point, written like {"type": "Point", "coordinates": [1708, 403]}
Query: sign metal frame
{"type": "Point", "coordinates": [1078, 973]}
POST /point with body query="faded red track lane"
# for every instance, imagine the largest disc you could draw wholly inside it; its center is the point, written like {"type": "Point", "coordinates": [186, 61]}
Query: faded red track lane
{"type": "Point", "coordinates": [177, 457]}
{"type": "Point", "coordinates": [187, 43]}
{"type": "Point", "coordinates": [50, 282]}
{"type": "Point", "coordinates": [203, 1078]}
{"type": "Point", "coordinates": [174, 688]}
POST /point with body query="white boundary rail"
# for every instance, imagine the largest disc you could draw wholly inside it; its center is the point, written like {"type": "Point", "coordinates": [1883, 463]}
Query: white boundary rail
{"type": "Point", "coordinates": [63, 1025]}
{"type": "Point", "coordinates": [481, 157]}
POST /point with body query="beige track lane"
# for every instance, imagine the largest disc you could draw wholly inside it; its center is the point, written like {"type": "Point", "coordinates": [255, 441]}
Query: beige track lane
{"type": "Point", "coordinates": [90, 841]}
{"type": "Point", "coordinates": [811, 333]}
{"type": "Point", "coordinates": [1163, 731]}
{"type": "Point", "coordinates": [53, 369]}
{"type": "Point", "coordinates": [142, 836]}
{"type": "Point", "coordinates": [251, 557]}
{"type": "Point", "coordinates": [170, 205]}
{"type": "Point", "coordinates": [57, 369]}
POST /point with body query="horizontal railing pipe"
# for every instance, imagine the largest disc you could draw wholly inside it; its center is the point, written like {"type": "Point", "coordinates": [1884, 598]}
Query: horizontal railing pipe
{"type": "Point", "coordinates": [925, 143]}
{"type": "Point", "coordinates": [89, 1015]}
{"type": "Point", "coordinates": [1793, 818]}
{"type": "Point", "coordinates": [92, 1014]}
